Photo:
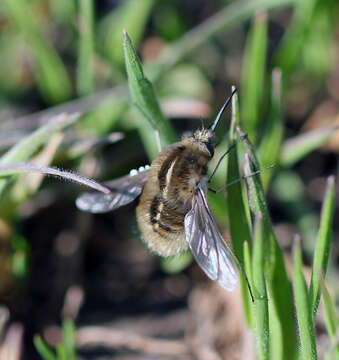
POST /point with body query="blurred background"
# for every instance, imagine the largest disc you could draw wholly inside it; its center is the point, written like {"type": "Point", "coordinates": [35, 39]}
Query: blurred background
{"type": "Point", "coordinates": [57, 263]}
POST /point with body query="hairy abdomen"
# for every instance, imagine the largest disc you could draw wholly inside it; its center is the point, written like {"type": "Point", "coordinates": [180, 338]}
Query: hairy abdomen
{"type": "Point", "coordinates": [166, 199]}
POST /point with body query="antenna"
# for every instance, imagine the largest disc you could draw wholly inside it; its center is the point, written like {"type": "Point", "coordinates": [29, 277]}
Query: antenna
{"type": "Point", "coordinates": [215, 123]}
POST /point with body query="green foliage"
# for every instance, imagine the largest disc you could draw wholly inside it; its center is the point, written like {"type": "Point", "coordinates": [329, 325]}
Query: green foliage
{"type": "Point", "coordinates": [51, 74]}
{"type": "Point", "coordinates": [143, 95]}
{"type": "Point", "coordinates": [253, 75]}
{"type": "Point", "coordinates": [85, 75]}
{"type": "Point", "coordinates": [66, 350]}
{"type": "Point", "coordinates": [323, 245]}
{"type": "Point", "coordinates": [302, 303]}
{"type": "Point", "coordinates": [303, 53]}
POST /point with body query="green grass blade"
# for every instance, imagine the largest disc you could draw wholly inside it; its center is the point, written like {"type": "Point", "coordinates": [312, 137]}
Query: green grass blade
{"type": "Point", "coordinates": [68, 339]}
{"type": "Point", "coordinates": [248, 307]}
{"type": "Point", "coordinates": [232, 15]}
{"type": "Point", "coordinates": [253, 75]}
{"type": "Point", "coordinates": [43, 349]}
{"type": "Point", "coordinates": [63, 10]}
{"type": "Point", "coordinates": [131, 15]}
{"type": "Point", "coordinates": [143, 95]}
{"type": "Point", "coordinates": [259, 285]}
{"type": "Point", "coordinates": [26, 147]}
{"type": "Point", "coordinates": [52, 76]}
{"type": "Point", "coordinates": [298, 147]}
{"type": "Point", "coordinates": [323, 245]}
{"type": "Point", "coordinates": [291, 46]}
{"type": "Point", "coordinates": [270, 146]}
{"type": "Point", "coordinates": [306, 329]}
{"type": "Point", "coordinates": [85, 70]}
{"type": "Point", "coordinates": [61, 352]}
{"type": "Point", "coordinates": [332, 319]}
{"type": "Point", "coordinates": [238, 220]}
{"type": "Point", "coordinates": [276, 276]}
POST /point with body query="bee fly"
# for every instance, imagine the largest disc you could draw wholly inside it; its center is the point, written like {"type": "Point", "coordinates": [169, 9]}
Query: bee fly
{"type": "Point", "coordinates": [173, 213]}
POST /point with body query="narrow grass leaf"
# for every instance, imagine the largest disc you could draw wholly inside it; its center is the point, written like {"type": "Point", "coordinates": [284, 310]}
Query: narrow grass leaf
{"type": "Point", "coordinates": [253, 75]}
{"type": "Point", "coordinates": [61, 352]}
{"type": "Point", "coordinates": [248, 307]}
{"type": "Point", "coordinates": [229, 17]}
{"type": "Point", "coordinates": [63, 10]}
{"type": "Point", "coordinates": [144, 96]}
{"type": "Point", "coordinates": [52, 76]}
{"type": "Point", "coordinates": [131, 15]}
{"type": "Point", "coordinates": [292, 44]}
{"type": "Point", "coordinates": [276, 276]}
{"type": "Point", "coordinates": [43, 349]}
{"type": "Point", "coordinates": [298, 147]}
{"type": "Point", "coordinates": [332, 319]}
{"type": "Point", "coordinates": [323, 245]}
{"type": "Point", "coordinates": [68, 339]}
{"type": "Point", "coordinates": [27, 146]}
{"type": "Point", "coordinates": [306, 329]}
{"type": "Point", "coordinates": [238, 220]}
{"type": "Point", "coordinates": [259, 285]}
{"type": "Point", "coordinates": [270, 146]}
{"type": "Point", "coordinates": [85, 69]}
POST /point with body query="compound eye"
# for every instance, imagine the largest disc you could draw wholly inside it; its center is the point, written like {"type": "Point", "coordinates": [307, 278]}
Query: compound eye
{"type": "Point", "coordinates": [210, 148]}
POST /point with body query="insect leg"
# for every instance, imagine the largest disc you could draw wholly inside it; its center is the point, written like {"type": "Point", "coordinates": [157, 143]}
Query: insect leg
{"type": "Point", "coordinates": [221, 158]}
{"type": "Point", "coordinates": [242, 178]}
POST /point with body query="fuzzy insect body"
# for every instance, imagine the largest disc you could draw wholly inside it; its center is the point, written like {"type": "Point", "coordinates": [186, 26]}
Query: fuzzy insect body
{"type": "Point", "coordinates": [167, 195]}
{"type": "Point", "coordinates": [173, 213]}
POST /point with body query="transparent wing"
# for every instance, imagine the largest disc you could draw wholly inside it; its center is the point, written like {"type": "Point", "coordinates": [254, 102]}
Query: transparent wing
{"type": "Point", "coordinates": [123, 191]}
{"type": "Point", "coordinates": [207, 244]}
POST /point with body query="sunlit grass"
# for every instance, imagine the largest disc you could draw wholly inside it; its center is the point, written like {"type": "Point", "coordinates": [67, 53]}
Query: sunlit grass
{"type": "Point", "coordinates": [136, 105]}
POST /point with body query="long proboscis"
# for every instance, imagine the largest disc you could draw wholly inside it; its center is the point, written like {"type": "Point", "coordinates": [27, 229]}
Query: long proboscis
{"type": "Point", "coordinates": [17, 168]}
{"type": "Point", "coordinates": [221, 111]}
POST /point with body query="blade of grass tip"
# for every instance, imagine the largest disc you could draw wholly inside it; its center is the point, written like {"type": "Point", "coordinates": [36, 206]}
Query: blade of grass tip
{"type": "Point", "coordinates": [306, 329]}
{"type": "Point", "coordinates": [143, 94]}
{"type": "Point", "coordinates": [27, 146]}
{"type": "Point", "coordinates": [323, 245]}
{"type": "Point", "coordinates": [18, 168]}
{"type": "Point", "coordinates": [52, 76]}
{"type": "Point", "coordinates": [300, 146]}
{"type": "Point", "coordinates": [230, 16]}
{"type": "Point", "coordinates": [253, 75]}
{"type": "Point", "coordinates": [259, 285]}
{"type": "Point", "coordinates": [43, 349]}
{"type": "Point", "coordinates": [85, 69]}
{"type": "Point", "coordinates": [276, 275]}
{"type": "Point", "coordinates": [68, 337]}
{"type": "Point", "coordinates": [331, 317]}
{"type": "Point", "coordinates": [238, 220]}
{"type": "Point", "coordinates": [270, 146]}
